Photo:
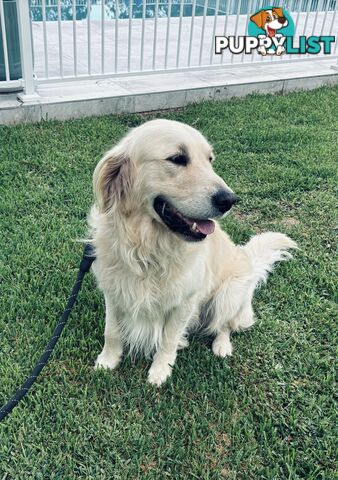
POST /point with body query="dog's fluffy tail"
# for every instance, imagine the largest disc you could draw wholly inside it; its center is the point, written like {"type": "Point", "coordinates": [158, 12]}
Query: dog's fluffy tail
{"type": "Point", "coordinates": [265, 250]}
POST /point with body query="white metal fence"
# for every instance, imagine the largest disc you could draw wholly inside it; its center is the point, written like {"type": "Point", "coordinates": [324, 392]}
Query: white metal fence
{"type": "Point", "coordinates": [69, 39]}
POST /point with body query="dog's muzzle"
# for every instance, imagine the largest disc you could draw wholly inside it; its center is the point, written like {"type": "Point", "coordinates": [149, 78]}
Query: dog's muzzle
{"type": "Point", "coordinates": [191, 229]}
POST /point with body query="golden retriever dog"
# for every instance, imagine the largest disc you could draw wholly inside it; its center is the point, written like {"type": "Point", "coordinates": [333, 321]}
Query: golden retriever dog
{"type": "Point", "coordinates": [162, 261]}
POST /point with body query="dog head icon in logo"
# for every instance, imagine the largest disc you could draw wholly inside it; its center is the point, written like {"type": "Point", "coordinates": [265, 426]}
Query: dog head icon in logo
{"type": "Point", "coordinates": [271, 23]}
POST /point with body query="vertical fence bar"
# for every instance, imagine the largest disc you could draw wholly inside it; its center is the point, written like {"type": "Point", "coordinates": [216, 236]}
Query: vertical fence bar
{"type": "Point", "coordinates": [298, 14]}
{"type": "Point", "coordinates": [155, 34]}
{"type": "Point", "coordinates": [74, 37]}
{"type": "Point", "coordinates": [130, 15]}
{"type": "Point", "coordinates": [236, 24]}
{"type": "Point", "coordinates": [307, 16]}
{"type": "Point", "coordinates": [179, 34]}
{"type": "Point", "coordinates": [191, 31]}
{"type": "Point", "coordinates": [297, 19]}
{"type": "Point", "coordinates": [203, 30]}
{"type": "Point", "coordinates": [331, 27]}
{"type": "Point", "coordinates": [45, 43]}
{"type": "Point", "coordinates": [89, 37]}
{"type": "Point", "coordinates": [259, 6]}
{"type": "Point", "coordinates": [325, 15]}
{"type": "Point", "coordinates": [320, 3]}
{"type": "Point", "coordinates": [144, 12]}
{"type": "Point", "coordinates": [26, 47]}
{"type": "Point", "coordinates": [4, 40]}
{"type": "Point", "coordinates": [117, 14]}
{"type": "Point", "coordinates": [60, 38]}
{"type": "Point", "coordinates": [246, 25]}
{"type": "Point", "coordinates": [272, 57]}
{"type": "Point", "coordinates": [213, 33]}
{"type": "Point", "coordinates": [102, 35]}
{"type": "Point", "coordinates": [167, 35]}
{"type": "Point", "coordinates": [226, 26]}
{"type": "Point", "coordinates": [262, 57]}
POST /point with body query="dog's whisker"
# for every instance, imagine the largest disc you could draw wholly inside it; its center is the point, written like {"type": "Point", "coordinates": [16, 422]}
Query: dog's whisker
{"type": "Point", "coordinates": [163, 208]}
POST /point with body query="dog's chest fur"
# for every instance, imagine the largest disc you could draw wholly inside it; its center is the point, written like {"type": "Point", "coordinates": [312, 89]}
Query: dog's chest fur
{"type": "Point", "coordinates": [152, 291]}
{"type": "Point", "coordinates": [145, 285]}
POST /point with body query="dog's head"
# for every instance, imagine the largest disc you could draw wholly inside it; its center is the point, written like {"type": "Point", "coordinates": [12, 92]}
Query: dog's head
{"type": "Point", "coordinates": [270, 20]}
{"type": "Point", "coordinates": [163, 169]}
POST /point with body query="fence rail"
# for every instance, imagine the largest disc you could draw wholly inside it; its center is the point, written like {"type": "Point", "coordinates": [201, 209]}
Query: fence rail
{"type": "Point", "coordinates": [71, 39]}
{"type": "Point", "coordinates": [82, 8]}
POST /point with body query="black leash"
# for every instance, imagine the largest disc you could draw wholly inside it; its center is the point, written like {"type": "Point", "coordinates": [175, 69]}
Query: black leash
{"type": "Point", "coordinates": [86, 262]}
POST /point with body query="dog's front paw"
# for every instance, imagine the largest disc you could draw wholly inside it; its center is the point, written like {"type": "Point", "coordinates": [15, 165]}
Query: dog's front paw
{"type": "Point", "coordinates": [280, 50]}
{"type": "Point", "coordinates": [222, 347]}
{"type": "Point", "coordinates": [107, 361]}
{"type": "Point", "coordinates": [159, 373]}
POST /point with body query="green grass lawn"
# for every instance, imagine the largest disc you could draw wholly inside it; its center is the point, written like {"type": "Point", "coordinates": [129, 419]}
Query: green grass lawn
{"type": "Point", "coordinates": [265, 413]}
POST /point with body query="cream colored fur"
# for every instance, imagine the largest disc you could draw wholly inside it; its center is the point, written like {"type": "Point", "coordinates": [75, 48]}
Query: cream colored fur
{"type": "Point", "coordinates": [155, 283]}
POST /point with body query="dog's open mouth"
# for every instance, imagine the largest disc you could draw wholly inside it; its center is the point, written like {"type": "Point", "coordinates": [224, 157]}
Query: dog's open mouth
{"type": "Point", "coordinates": [271, 32]}
{"type": "Point", "coordinates": [192, 229]}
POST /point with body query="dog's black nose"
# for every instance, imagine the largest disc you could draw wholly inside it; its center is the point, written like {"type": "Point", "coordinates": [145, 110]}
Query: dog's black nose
{"type": "Point", "coordinates": [223, 200]}
{"type": "Point", "coordinates": [282, 20]}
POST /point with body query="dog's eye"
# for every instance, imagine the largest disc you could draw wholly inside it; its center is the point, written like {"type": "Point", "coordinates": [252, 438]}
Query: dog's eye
{"type": "Point", "coordinates": [179, 159]}
{"type": "Point", "coordinates": [211, 159]}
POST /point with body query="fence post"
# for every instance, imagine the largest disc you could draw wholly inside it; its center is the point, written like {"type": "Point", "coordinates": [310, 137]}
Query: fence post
{"type": "Point", "coordinates": [26, 46]}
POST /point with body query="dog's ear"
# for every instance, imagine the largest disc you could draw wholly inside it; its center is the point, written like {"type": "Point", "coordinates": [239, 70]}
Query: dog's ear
{"type": "Point", "coordinates": [258, 19]}
{"type": "Point", "coordinates": [112, 178]}
{"type": "Point", "coordinates": [279, 11]}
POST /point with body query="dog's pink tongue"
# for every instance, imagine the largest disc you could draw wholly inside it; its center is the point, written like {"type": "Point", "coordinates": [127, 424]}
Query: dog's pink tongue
{"type": "Point", "coordinates": [205, 226]}
{"type": "Point", "coordinates": [271, 32]}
